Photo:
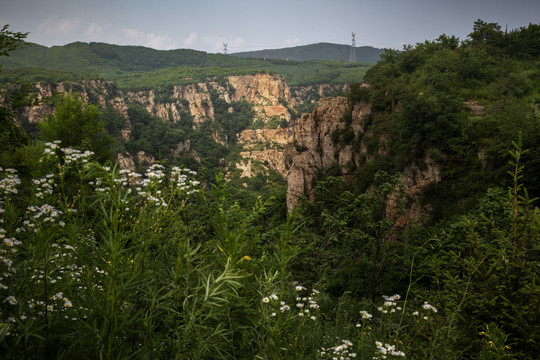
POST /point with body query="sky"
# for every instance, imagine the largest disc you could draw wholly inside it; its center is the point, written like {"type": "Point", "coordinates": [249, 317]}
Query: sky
{"type": "Point", "coordinates": [256, 25]}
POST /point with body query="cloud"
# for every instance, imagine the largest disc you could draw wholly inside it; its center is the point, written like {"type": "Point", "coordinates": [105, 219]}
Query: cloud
{"type": "Point", "coordinates": [136, 37]}
{"type": "Point", "coordinates": [190, 40]}
{"type": "Point", "coordinates": [52, 26]}
{"type": "Point", "coordinates": [94, 31]}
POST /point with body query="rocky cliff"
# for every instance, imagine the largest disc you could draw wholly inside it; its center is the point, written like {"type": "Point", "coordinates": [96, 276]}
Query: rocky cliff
{"type": "Point", "coordinates": [333, 136]}
{"type": "Point", "coordinates": [269, 95]}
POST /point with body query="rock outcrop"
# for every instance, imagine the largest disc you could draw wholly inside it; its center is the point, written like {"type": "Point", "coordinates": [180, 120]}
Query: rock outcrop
{"type": "Point", "coordinates": [267, 93]}
{"type": "Point", "coordinates": [333, 136]}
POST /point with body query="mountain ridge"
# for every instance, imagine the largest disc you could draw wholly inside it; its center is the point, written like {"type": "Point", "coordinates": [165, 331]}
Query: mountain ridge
{"type": "Point", "coordinates": [136, 66]}
{"type": "Point", "coordinates": [317, 51]}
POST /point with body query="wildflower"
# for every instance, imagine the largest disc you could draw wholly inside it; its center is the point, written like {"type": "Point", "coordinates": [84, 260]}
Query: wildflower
{"type": "Point", "coordinates": [11, 300]}
{"type": "Point", "coordinates": [274, 297]}
{"type": "Point", "coordinates": [67, 303]}
{"type": "Point", "coordinates": [265, 300]}
{"type": "Point", "coordinates": [365, 314]}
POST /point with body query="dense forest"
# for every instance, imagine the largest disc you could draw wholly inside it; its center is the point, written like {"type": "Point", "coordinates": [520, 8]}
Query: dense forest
{"type": "Point", "coordinates": [179, 260]}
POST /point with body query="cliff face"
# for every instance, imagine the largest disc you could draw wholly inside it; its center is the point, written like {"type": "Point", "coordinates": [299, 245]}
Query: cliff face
{"type": "Point", "coordinates": [268, 94]}
{"type": "Point", "coordinates": [95, 91]}
{"type": "Point", "coordinates": [306, 146]}
{"type": "Point", "coordinates": [318, 141]}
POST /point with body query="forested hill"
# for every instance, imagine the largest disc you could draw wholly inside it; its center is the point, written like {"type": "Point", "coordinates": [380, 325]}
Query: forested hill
{"type": "Point", "coordinates": [138, 67]}
{"type": "Point", "coordinates": [320, 51]}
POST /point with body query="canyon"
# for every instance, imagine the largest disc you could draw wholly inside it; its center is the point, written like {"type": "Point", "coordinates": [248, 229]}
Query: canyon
{"type": "Point", "coordinates": [299, 151]}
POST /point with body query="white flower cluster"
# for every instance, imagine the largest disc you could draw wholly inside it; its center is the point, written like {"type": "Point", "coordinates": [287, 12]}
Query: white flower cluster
{"type": "Point", "coordinates": [51, 147]}
{"type": "Point", "coordinates": [427, 306]}
{"type": "Point", "coordinates": [6, 264]}
{"type": "Point", "coordinates": [97, 183]}
{"type": "Point", "coordinates": [179, 177]}
{"type": "Point", "coordinates": [341, 351]}
{"type": "Point", "coordinates": [8, 244]}
{"type": "Point", "coordinates": [365, 314]}
{"type": "Point", "coordinates": [390, 304]}
{"type": "Point", "coordinates": [385, 350]}
{"type": "Point", "coordinates": [73, 155]}
{"type": "Point", "coordinates": [45, 214]}
{"type": "Point", "coordinates": [304, 304]}
{"type": "Point", "coordinates": [44, 185]}
{"type": "Point", "coordinates": [8, 184]}
{"type": "Point", "coordinates": [57, 303]}
{"type": "Point", "coordinates": [149, 187]}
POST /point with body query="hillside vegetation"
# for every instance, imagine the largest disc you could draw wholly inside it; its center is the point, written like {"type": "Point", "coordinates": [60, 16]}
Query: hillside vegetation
{"type": "Point", "coordinates": [136, 67]}
{"type": "Point", "coordinates": [170, 262]}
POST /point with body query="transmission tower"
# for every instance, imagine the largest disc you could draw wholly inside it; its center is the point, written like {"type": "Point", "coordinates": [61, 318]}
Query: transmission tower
{"type": "Point", "coordinates": [225, 48]}
{"type": "Point", "coordinates": [352, 56]}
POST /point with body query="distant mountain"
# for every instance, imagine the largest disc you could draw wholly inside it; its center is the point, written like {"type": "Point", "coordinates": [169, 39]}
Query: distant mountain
{"type": "Point", "coordinates": [136, 67]}
{"type": "Point", "coordinates": [320, 51]}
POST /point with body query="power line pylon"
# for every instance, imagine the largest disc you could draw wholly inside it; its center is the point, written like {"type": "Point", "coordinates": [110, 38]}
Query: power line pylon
{"type": "Point", "coordinates": [225, 48]}
{"type": "Point", "coordinates": [352, 56]}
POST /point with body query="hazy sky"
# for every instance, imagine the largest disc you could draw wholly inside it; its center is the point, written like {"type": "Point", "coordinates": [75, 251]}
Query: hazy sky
{"type": "Point", "coordinates": [256, 25]}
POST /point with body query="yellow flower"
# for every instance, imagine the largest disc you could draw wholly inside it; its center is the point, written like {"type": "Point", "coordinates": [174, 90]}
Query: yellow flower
{"type": "Point", "coordinates": [246, 258]}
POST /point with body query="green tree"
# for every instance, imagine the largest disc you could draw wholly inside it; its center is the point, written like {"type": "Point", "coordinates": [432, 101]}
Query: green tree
{"type": "Point", "coordinates": [74, 123]}
{"type": "Point", "coordinates": [11, 133]}
{"type": "Point", "coordinates": [77, 125]}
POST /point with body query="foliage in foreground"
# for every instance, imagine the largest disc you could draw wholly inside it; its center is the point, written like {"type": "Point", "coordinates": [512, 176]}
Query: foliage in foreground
{"type": "Point", "coordinates": [103, 262]}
